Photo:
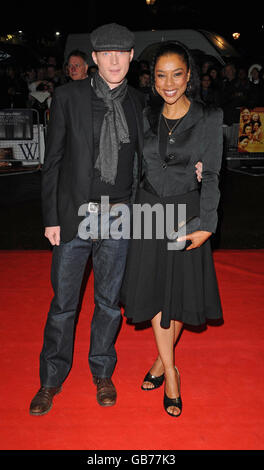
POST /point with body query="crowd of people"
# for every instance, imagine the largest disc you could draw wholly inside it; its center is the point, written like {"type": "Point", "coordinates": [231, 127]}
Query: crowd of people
{"type": "Point", "coordinates": [230, 87]}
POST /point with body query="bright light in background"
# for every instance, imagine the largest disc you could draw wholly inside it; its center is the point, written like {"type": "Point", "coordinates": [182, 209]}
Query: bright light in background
{"type": "Point", "coordinates": [57, 33]}
{"type": "Point", "coordinates": [150, 2]}
{"type": "Point", "coordinates": [219, 42]}
{"type": "Point", "coordinates": [236, 35]}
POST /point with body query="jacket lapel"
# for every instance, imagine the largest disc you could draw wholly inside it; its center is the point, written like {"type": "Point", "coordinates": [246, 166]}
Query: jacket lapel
{"type": "Point", "coordinates": [194, 114]}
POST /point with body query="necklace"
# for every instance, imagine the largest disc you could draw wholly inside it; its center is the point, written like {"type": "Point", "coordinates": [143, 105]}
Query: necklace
{"type": "Point", "coordinates": [171, 129]}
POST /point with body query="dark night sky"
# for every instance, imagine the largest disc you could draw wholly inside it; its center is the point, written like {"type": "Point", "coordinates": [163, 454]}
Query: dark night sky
{"type": "Point", "coordinates": [84, 16]}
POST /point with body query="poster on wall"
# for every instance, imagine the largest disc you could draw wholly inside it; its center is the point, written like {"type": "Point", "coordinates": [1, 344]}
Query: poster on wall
{"type": "Point", "coordinates": [6, 153]}
{"type": "Point", "coordinates": [251, 131]}
{"type": "Point", "coordinates": [16, 124]}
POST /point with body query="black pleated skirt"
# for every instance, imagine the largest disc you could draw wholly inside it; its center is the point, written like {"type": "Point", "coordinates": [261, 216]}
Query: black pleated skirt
{"type": "Point", "coordinates": [180, 284]}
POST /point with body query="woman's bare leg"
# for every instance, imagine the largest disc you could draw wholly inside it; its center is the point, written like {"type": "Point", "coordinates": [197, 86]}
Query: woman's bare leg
{"type": "Point", "coordinates": [158, 369]}
{"type": "Point", "coordinates": [165, 340]}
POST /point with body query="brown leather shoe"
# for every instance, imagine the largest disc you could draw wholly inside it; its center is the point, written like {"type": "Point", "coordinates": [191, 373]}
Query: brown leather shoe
{"type": "Point", "coordinates": [106, 392]}
{"type": "Point", "coordinates": [42, 401]}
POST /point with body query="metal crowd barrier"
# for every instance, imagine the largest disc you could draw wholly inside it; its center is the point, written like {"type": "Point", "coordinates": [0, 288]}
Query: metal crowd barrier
{"type": "Point", "coordinates": [46, 121]}
{"type": "Point", "coordinates": [21, 148]}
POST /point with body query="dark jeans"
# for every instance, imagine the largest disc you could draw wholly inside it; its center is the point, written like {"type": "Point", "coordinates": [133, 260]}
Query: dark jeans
{"type": "Point", "coordinates": [67, 271]}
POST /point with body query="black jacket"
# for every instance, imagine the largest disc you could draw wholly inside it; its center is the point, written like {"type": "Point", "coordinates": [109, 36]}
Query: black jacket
{"type": "Point", "coordinates": [198, 137]}
{"type": "Point", "coordinates": [68, 163]}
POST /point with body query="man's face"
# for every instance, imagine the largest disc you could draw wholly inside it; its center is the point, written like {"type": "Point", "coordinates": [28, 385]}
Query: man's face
{"type": "Point", "coordinates": [113, 65]}
{"type": "Point", "coordinates": [77, 68]}
{"type": "Point", "coordinates": [230, 72]}
{"type": "Point", "coordinates": [51, 72]}
{"type": "Point", "coordinates": [144, 80]}
{"type": "Point", "coordinates": [206, 81]}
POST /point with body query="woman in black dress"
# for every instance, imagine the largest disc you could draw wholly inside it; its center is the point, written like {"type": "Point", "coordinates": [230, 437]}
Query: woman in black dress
{"type": "Point", "coordinates": [175, 286]}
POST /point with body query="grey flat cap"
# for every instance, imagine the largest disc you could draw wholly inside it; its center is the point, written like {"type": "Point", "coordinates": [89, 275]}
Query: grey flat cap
{"type": "Point", "coordinates": [112, 37]}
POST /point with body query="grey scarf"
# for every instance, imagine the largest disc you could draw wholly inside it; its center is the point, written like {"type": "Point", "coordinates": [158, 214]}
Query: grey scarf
{"type": "Point", "coordinates": [114, 129]}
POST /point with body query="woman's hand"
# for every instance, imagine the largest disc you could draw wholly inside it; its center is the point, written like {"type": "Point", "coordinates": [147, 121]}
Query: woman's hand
{"type": "Point", "coordinates": [199, 171]}
{"type": "Point", "coordinates": [197, 238]}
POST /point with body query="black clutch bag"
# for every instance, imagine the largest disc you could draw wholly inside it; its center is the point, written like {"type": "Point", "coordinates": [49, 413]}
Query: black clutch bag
{"type": "Point", "coordinates": [184, 228]}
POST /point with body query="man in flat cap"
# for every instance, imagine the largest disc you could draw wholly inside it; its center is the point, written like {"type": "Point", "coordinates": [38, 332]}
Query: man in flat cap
{"type": "Point", "coordinates": [93, 149]}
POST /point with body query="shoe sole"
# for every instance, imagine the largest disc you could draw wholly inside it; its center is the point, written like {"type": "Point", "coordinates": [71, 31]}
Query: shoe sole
{"type": "Point", "coordinates": [40, 413]}
{"type": "Point", "coordinates": [105, 404]}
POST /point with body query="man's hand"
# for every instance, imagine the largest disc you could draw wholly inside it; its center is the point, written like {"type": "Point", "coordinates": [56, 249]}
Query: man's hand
{"type": "Point", "coordinates": [53, 234]}
{"type": "Point", "coordinates": [199, 171]}
{"type": "Point", "coordinates": [197, 238]}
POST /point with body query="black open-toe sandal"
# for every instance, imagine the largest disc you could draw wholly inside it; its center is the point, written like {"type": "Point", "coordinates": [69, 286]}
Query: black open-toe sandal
{"type": "Point", "coordinates": [177, 402]}
{"type": "Point", "coordinates": [156, 381]}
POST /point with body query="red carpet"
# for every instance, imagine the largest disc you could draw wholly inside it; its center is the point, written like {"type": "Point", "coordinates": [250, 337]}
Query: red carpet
{"type": "Point", "coordinates": [221, 369]}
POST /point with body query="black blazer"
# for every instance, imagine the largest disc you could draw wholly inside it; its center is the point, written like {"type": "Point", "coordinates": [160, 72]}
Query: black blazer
{"type": "Point", "coordinates": [68, 163]}
{"type": "Point", "coordinates": [198, 137]}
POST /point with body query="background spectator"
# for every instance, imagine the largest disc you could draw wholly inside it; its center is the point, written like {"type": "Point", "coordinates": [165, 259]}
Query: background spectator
{"type": "Point", "coordinates": [30, 75]}
{"type": "Point", "coordinates": [40, 99]}
{"type": "Point", "coordinates": [53, 75]}
{"type": "Point", "coordinates": [77, 65]}
{"type": "Point", "coordinates": [92, 69]}
{"type": "Point", "coordinates": [253, 73]}
{"type": "Point", "coordinates": [233, 87]}
{"type": "Point", "coordinates": [17, 88]}
{"type": "Point", "coordinates": [209, 95]}
{"type": "Point", "coordinates": [256, 91]}
{"type": "Point", "coordinates": [144, 84]}
{"type": "Point", "coordinates": [4, 98]}
{"type": "Point", "coordinates": [143, 65]}
{"type": "Point", "coordinates": [217, 82]}
{"type": "Point", "coordinates": [206, 65]}
{"type": "Point", "coordinates": [230, 96]}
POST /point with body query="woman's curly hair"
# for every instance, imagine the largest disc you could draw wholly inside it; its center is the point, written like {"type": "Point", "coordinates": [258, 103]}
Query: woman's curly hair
{"type": "Point", "coordinates": [176, 47]}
